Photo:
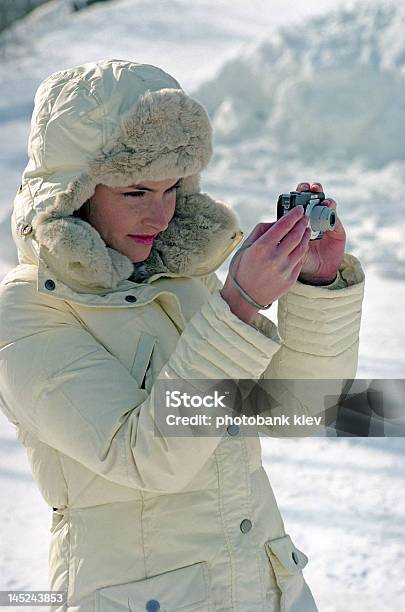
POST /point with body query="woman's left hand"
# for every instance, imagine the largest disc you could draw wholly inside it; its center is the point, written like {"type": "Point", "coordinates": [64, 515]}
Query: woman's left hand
{"type": "Point", "coordinates": [323, 257]}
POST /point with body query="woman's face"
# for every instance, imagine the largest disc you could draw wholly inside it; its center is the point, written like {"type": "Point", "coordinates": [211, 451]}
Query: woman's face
{"type": "Point", "coordinates": [118, 213]}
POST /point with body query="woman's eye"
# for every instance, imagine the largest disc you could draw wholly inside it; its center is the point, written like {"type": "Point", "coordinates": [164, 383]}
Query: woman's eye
{"type": "Point", "coordinates": [140, 194]}
{"type": "Point", "coordinates": [135, 194]}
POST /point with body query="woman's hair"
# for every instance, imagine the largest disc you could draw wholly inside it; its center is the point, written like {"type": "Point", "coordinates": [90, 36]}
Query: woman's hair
{"type": "Point", "coordinates": [83, 211]}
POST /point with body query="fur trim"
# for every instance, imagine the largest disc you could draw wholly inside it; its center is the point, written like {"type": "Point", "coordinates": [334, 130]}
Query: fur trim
{"type": "Point", "coordinates": [351, 270]}
{"type": "Point", "coordinates": [72, 248]}
{"type": "Point", "coordinates": [201, 229]}
{"type": "Point", "coordinates": [197, 233]}
{"type": "Point", "coordinates": [165, 134]}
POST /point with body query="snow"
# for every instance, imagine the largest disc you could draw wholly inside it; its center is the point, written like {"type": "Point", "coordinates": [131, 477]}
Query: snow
{"type": "Point", "coordinates": [264, 90]}
{"type": "Point", "coordinates": [343, 502]}
{"type": "Point", "coordinates": [304, 90]}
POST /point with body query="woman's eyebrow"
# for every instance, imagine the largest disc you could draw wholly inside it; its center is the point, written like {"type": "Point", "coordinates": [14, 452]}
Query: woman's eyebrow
{"type": "Point", "coordinates": [147, 188]}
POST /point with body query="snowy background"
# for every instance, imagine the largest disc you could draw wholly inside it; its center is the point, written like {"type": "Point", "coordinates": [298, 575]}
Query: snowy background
{"type": "Point", "coordinates": [302, 90]}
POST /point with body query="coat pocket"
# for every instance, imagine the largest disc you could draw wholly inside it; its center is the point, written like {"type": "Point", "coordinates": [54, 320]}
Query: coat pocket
{"type": "Point", "coordinates": [286, 564]}
{"type": "Point", "coordinates": [181, 590]}
{"type": "Point", "coordinates": [142, 358]}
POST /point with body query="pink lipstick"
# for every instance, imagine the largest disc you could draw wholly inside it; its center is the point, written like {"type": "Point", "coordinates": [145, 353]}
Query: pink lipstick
{"type": "Point", "coordinates": [143, 239]}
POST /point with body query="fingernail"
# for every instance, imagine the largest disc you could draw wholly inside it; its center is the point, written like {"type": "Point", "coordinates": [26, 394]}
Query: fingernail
{"type": "Point", "coordinates": [304, 185]}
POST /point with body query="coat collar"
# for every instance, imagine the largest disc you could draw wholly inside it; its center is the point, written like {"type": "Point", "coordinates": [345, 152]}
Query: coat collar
{"type": "Point", "coordinates": [48, 284]}
{"type": "Point", "coordinates": [200, 237]}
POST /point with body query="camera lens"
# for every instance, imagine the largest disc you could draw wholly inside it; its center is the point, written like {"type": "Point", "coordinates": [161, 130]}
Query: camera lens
{"type": "Point", "coordinates": [323, 218]}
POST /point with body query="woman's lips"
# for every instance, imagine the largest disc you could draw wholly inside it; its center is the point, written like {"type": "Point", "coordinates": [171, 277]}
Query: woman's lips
{"type": "Point", "coordinates": [143, 239]}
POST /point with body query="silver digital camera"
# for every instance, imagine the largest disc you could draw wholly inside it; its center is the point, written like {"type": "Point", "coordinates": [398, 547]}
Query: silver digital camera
{"type": "Point", "coordinates": [321, 218]}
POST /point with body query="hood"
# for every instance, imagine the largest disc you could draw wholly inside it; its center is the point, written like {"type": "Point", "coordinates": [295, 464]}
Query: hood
{"type": "Point", "coordinates": [116, 122]}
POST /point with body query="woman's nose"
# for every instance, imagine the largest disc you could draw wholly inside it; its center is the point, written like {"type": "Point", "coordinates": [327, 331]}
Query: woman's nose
{"type": "Point", "coordinates": [157, 217]}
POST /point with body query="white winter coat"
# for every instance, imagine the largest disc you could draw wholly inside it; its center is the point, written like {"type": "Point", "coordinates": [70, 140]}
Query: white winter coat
{"type": "Point", "coordinates": [140, 521]}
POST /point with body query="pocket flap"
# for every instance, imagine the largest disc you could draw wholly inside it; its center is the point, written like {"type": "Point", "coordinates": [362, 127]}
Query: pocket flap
{"type": "Point", "coordinates": [142, 356]}
{"type": "Point", "coordinates": [292, 559]}
{"type": "Point", "coordinates": [184, 589]}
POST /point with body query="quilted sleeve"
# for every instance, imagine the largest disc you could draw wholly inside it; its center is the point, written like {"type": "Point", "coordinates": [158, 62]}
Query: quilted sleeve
{"type": "Point", "coordinates": [59, 383]}
{"type": "Point", "coordinates": [318, 333]}
{"type": "Point", "coordinates": [319, 330]}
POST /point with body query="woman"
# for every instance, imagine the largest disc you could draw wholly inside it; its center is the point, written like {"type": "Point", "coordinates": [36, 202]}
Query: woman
{"type": "Point", "coordinates": [93, 315]}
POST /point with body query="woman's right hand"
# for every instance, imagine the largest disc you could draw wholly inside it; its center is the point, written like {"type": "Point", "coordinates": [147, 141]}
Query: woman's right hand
{"type": "Point", "coordinates": [271, 265]}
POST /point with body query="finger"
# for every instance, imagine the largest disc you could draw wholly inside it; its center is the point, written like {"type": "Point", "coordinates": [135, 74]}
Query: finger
{"type": "Point", "coordinates": [300, 251]}
{"type": "Point", "coordinates": [316, 187]}
{"type": "Point", "coordinates": [329, 202]}
{"type": "Point", "coordinates": [302, 187]}
{"type": "Point", "coordinates": [259, 230]}
{"type": "Point", "coordinates": [300, 233]}
{"type": "Point", "coordinates": [279, 229]}
{"type": "Point", "coordinates": [295, 272]}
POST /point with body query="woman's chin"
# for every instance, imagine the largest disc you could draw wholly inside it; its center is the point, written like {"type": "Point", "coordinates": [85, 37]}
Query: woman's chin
{"type": "Point", "coordinates": [135, 251]}
{"type": "Point", "coordinates": [142, 253]}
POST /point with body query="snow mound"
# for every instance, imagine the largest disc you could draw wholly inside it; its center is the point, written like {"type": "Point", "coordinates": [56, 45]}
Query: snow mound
{"type": "Point", "coordinates": [333, 88]}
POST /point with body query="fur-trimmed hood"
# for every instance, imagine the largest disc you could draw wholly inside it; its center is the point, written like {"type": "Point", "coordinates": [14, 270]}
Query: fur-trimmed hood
{"type": "Point", "coordinates": [116, 122]}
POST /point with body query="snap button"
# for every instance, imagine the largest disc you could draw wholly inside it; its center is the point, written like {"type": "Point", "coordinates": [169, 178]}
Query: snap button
{"type": "Point", "coordinates": [245, 525]}
{"type": "Point", "coordinates": [233, 430]}
{"type": "Point", "coordinates": [152, 605]}
{"type": "Point", "coordinates": [49, 284]}
{"type": "Point", "coordinates": [131, 298]}
{"type": "Point", "coordinates": [24, 229]}
{"type": "Point", "coordinates": [295, 557]}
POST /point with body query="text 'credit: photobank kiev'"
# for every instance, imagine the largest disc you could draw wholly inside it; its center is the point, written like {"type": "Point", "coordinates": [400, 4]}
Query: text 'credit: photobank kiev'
{"type": "Point", "coordinates": [282, 420]}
